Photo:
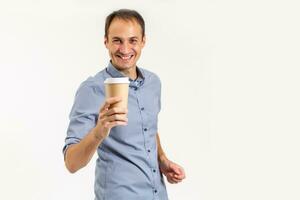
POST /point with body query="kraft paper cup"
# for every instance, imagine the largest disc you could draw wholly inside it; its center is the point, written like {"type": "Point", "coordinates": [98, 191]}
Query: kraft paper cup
{"type": "Point", "coordinates": [117, 87]}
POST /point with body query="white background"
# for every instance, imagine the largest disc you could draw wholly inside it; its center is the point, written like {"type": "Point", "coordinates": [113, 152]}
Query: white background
{"type": "Point", "coordinates": [230, 96]}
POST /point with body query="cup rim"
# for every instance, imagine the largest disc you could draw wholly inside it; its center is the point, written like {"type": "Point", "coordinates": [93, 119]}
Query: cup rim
{"type": "Point", "coordinates": [116, 80]}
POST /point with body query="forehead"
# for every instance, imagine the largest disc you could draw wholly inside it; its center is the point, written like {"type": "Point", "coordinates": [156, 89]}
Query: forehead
{"type": "Point", "coordinates": [124, 28]}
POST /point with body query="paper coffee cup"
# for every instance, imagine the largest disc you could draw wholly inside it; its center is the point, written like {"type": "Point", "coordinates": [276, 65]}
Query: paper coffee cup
{"type": "Point", "coordinates": [117, 87]}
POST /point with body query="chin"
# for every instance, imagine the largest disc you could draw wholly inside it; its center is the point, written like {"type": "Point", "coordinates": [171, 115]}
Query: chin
{"type": "Point", "coordinates": [123, 66]}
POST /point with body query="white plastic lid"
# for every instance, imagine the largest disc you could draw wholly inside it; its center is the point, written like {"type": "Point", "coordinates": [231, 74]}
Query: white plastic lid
{"type": "Point", "coordinates": [117, 80]}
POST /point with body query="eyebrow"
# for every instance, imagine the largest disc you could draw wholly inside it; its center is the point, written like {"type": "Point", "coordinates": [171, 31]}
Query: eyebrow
{"type": "Point", "coordinates": [133, 37]}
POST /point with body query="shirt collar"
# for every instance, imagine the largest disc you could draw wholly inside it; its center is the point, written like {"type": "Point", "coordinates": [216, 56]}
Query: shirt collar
{"type": "Point", "coordinates": [113, 72]}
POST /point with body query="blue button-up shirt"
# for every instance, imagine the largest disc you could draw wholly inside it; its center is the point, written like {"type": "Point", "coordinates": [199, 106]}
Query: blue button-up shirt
{"type": "Point", "coordinates": [127, 165]}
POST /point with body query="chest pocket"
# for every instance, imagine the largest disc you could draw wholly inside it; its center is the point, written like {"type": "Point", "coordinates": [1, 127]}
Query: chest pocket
{"type": "Point", "coordinates": [150, 110]}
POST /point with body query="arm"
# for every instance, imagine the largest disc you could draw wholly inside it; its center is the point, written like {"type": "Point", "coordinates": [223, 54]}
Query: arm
{"type": "Point", "coordinates": [173, 172]}
{"type": "Point", "coordinates": [160, 153]}
{"type": "Point", "coordinates": [78, 155]}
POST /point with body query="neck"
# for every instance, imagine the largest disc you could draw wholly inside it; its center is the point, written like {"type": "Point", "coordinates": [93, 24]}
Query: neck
{"type": "Point", "coordinates": [131, 73]}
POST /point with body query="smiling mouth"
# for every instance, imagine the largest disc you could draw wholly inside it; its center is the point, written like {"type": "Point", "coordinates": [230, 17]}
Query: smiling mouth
{"type": "Point", "coordinates": [125, 58]}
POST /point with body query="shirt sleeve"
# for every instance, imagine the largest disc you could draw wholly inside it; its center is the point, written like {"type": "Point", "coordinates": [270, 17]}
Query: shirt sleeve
{"type": "Point", "coordinates": [84, 113]}
{"type": "Point", "coordinates": [159, 99]}
{"type": "Point", "coordinates": [159, 93]}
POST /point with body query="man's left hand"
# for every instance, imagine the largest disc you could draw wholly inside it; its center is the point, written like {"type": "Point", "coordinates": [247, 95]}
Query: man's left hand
{"type": "Point", "coordinates": [172, 171]}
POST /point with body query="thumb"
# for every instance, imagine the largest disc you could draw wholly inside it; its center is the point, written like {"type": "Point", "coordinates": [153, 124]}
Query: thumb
{"type": "Point", "coordinates": [177, 171]}
{"type": "Point", "coordinates": [175, 168]}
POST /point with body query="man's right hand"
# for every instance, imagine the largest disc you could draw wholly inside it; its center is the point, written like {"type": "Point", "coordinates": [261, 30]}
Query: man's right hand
{"type": "Point", "coordinates": [110, 117]}
{"type": "Point", "coordinates": [78, 155]}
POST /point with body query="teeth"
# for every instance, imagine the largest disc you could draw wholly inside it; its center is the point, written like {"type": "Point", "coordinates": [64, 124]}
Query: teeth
{"type": "Point", "coordinates": [126, 57]}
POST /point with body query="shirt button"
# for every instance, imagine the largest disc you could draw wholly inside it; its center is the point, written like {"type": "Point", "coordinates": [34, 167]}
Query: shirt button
{"type": "Point", "coordinates": [149, 150]}
{"type": "Point", "coordinates": [155, 191]}
{"type": "Point", "coordinates": [142, 108]}
{"type": "Point", "coordinates": [154, 170]}
{"type": "Point", "coordinates": [145, 129]}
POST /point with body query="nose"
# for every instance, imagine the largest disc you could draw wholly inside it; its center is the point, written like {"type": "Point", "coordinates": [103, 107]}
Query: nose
{"type": "Point", "coordinates": [125, 48]}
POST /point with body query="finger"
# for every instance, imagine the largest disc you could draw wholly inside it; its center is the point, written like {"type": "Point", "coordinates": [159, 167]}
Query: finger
{"type": "Point", "coordinates": [174, 180]}
{"type": "Point", "coordinates": [117, 117]}
{"type": "Point", "coordinates": [174, 177]}
{"type": "Point", "coordinates": [181, 175]}
{"type": "Point", "coordinates": [116, 110]}
{"type": "Point", "coordinates": [170, 180]}
{"type": "Point", "coordinates": [177, 179]}
{"type": "Point", "coordinates": [174, 167]}
{"type": "Point", "coordinates": [110, 101]}
{"type": "Point", "coordinates": [177, 169]}
{"type": "Point", "coordinates": [110, 125]}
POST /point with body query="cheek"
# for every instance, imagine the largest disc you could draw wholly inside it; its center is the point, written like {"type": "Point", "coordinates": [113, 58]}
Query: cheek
{"type": "Point", "coordinates": [114, 48]}
{"type": "Point", "coordinates": [136, 49]}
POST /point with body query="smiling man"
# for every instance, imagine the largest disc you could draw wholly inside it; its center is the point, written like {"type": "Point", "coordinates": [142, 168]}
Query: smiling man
{"type": "Point", "coordinates": [131, 162]}
{"type": "Point", "coordinates": [124, 39]}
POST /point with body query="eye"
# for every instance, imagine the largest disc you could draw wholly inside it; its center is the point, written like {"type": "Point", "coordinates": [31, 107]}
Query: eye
{"type": "Point", "coordinates": [133, 41]}
{"type": "Point", "coordinates": [116, 41]}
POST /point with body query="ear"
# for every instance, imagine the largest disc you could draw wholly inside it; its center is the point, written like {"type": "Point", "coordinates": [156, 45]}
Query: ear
{"type": "Point", "coordinates": [106, 41]}
{"type": "Point", "coordinates": [143, 40]}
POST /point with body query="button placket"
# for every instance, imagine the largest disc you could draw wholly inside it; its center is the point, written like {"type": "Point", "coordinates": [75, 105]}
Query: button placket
{"type": "Point", "coordinates": [145, 130]}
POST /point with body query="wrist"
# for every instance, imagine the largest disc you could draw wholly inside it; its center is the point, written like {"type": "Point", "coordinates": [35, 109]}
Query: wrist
{"type": "Point", "coordinates": [97, 134]}
{"type": "Point", "coordinates": [162, 158]}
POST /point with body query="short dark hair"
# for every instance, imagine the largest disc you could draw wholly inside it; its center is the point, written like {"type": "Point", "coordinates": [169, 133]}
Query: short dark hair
{"type": "Point", "coordinates": [125, 14]}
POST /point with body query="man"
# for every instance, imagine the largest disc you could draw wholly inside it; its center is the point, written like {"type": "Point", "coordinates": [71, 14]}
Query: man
{"type": "Point", "coordinates": [130, 160]}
